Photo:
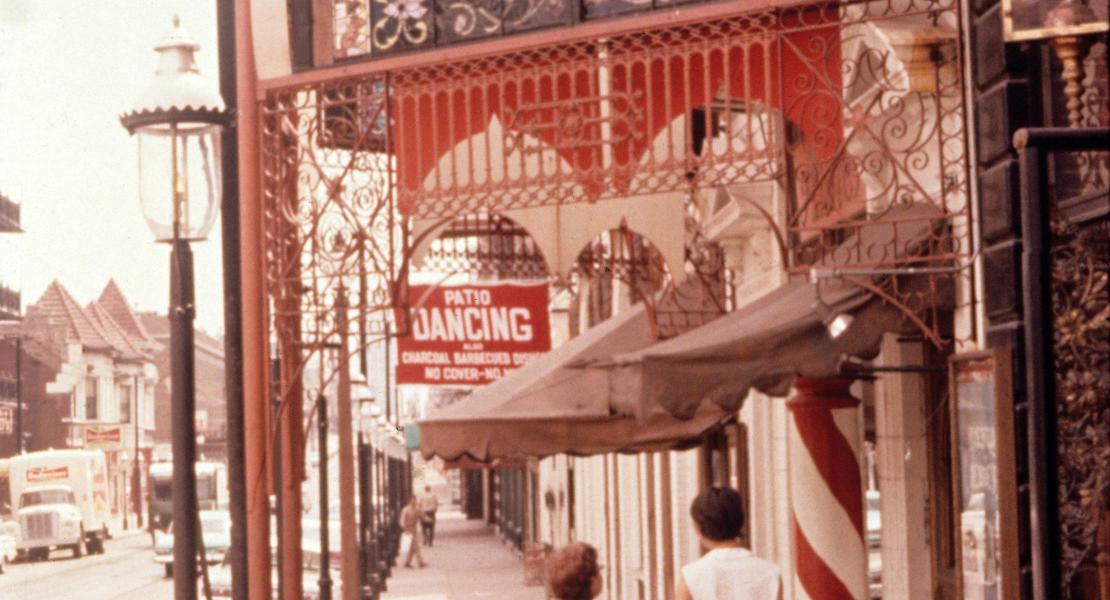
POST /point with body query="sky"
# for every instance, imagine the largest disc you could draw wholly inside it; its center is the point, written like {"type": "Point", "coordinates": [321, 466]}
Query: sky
{"type": "Point", "coordinates": [68, 69]}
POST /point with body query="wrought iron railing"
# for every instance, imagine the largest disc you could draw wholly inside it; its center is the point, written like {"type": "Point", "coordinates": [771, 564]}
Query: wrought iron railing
{"type": "Point", "coordinates": [381, 27]}
{"type": "Point", "coordinates": [854, 110]}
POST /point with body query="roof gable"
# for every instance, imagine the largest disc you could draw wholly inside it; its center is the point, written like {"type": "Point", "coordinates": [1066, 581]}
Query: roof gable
{"type": "Point", "coordinates": [119, 309]}
{"type": "Point", "coordinates": [61, 310]}
{"type": "Point", "coordinates": [112, 332]}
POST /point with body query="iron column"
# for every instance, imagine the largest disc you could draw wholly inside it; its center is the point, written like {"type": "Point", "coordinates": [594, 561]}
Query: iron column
{"type": "Point", "coordinates": [184, 428]}
{"type": "Point", "coordinates": [322, 453]}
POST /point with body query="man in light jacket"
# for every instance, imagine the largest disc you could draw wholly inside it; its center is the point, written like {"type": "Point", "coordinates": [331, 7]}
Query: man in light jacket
{"type": "Point", "coordinates": [428, 506]}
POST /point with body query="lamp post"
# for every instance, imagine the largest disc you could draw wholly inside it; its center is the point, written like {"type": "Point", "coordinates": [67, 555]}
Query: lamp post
{"type": "Point", "coordinates": [177, 120]}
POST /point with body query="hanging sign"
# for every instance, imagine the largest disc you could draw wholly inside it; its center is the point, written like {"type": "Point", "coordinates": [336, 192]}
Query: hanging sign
{"type": "Point", "coordinates": [472, 334]}
{"type": "Point", "coordinates": [95, 436]}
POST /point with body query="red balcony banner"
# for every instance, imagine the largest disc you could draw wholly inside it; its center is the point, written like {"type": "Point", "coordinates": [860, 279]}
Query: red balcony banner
{"type": "Point", "coordinates": [472, 334]}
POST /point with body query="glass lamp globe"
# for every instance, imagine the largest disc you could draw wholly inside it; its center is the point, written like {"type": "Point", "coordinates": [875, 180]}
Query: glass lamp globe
{"type": "Point", "coordinates": [178, 119]}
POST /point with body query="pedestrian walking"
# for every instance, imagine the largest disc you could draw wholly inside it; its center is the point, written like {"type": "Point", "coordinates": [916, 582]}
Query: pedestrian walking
{"type": "Point", "coordinates": [574, 574]}
{"type": "Point", "coordinates": [410, 518]}
{"type": "Point", "coordinates": [727, 571]}
{"type": "Point", "coordinates": [428, 506]}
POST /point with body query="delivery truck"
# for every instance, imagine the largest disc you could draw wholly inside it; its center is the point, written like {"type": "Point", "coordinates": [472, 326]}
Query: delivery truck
{"type": "Point", "coordinates": [60, 498]}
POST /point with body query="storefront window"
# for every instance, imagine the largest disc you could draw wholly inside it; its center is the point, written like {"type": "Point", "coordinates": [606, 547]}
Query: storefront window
{"type": "Point", "coordinates": [978, 493]}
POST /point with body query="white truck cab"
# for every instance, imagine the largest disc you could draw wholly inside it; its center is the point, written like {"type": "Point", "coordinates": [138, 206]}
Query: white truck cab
{"type": "Point", "coordinates": [61, 501]}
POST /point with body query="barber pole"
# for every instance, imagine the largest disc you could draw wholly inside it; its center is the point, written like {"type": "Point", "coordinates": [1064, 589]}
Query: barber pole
{"type": "Point", "coordinates": [826, 491]}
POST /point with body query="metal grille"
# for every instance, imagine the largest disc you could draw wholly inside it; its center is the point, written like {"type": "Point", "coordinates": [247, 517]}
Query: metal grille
{"type": "Point", "coordinates": [486, 247]}
{"type": "Point", "coordinates": [1080, 284]}
{"type": "Point", "coordinates": [39, 526]}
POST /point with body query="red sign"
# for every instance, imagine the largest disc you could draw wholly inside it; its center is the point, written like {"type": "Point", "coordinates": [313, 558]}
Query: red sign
{"type": "Point", "coordinates": [102, 435]}
{"type": "Point", "coordinates": [47, 474]}
{"type": "Point", "coordinates": [472, 334]}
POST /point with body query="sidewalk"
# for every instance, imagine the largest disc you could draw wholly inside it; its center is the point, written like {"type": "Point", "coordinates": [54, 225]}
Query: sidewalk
{"type": "Point", "coordinates": [120, 529]}
{"type": "Point", "coordinates": [467, 563]}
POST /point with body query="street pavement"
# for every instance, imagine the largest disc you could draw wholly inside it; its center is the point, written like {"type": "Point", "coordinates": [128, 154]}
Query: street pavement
{"type": "Point", "coordinates": [467, 562]}
{"type": "Point", "coordinates": [126, 571]}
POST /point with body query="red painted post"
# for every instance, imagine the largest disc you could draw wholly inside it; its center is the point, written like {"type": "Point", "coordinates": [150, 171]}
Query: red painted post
{"type": "Point", "coordinates": [826, 491]}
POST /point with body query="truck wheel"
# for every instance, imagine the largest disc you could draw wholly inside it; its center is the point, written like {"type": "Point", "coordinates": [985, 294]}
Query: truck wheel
{"type": "Point", "coordinates": [79, 548]}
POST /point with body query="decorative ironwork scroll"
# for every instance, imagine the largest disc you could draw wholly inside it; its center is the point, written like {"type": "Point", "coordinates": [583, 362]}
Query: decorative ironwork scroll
{"type": "Point", "coordinates": [485, 247]}
{"type": "Point", "coordinates": [637, 114]}
{"type": "Point", "coordinates": [465, 20]}
{"type": "Point", "coordinates": [333, 239]}
{"type": "Point", "coordinates": [1080, 295]}
{"type": "Point", "coordinates": [624, 256]}
{"type": "Point", "coordinates": [525, 15]}
{"type": "Point", "coordinates": [855, 110]}
{"type": "Point", "coordinates": [401, 25]}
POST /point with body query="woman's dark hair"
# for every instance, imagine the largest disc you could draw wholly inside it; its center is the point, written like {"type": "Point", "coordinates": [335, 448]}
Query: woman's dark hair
{"type": "Point", "coordinates": [719, 513]}
{"type": "Point", "coordinates": [572, 572]}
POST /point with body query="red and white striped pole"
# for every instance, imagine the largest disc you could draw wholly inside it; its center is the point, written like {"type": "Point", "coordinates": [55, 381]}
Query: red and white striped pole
{"type": "Point", "coordinates": [826, 491]}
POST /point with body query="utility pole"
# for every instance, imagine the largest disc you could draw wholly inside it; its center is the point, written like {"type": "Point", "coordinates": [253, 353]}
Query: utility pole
{"type": "Point", "coordinates": [138, 483]}
{"type": "Point", "coordinates": [19, 394]}
{"type": "Point", "coordinates": [233, 302]}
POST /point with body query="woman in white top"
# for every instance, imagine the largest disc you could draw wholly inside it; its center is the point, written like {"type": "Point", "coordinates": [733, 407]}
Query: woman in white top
{"type": "Point", "coordinates": [727, 571]}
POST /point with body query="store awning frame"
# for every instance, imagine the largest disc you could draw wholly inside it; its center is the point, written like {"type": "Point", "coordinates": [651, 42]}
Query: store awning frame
{"type": "Point", "coordinates": [718, 364]}
{"type": "Point", "coordinates": [770, 341]}
{"type": "Point", "coordinates": [556, 404]}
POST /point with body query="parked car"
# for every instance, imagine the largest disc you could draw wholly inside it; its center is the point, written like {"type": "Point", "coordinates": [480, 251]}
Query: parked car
{"type": "Point", "coordinates": [8, 541]}
{"type": "Point", "coordinates": [215, 526]}
{"type": "Point", "coordinates": [220, 577]}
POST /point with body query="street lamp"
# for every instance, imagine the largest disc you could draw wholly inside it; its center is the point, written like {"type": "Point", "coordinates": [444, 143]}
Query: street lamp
{"type": "Point", "coordinates": [177, 120]}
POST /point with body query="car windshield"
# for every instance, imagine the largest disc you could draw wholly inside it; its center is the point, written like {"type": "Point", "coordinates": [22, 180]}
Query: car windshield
{"type": "Point", "coordinates": [46, 497]}
{"type": "Point", "coordinates": [163, 490]}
